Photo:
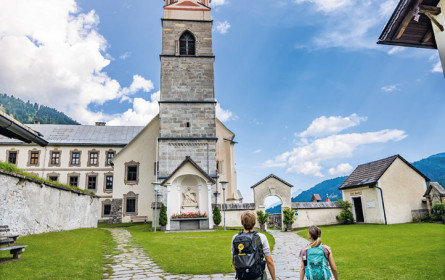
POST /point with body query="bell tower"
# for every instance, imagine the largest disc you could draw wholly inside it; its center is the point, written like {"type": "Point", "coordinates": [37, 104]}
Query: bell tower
{"type": "Point", "coordinates": [187, 104]}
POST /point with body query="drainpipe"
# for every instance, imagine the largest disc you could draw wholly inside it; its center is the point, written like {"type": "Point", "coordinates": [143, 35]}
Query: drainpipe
{"type": "Point", "coordinates": [383, 202]}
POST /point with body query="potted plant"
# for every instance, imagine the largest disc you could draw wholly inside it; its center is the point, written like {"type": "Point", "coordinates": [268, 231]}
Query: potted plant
{"type": "Point", "coordinates": [216, 217]}
{"type": "Point", "coordinates": [163, 217]}
{"type": "Point", "coordinates": [262, 219]}
{"type": "Point", "coordinates": [288, 218]}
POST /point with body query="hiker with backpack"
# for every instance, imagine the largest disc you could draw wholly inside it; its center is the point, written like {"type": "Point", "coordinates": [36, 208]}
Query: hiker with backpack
{"type": "Point", "coordinates": [251, 251]}
{"type": "Point", "coordinates": [315, 258]}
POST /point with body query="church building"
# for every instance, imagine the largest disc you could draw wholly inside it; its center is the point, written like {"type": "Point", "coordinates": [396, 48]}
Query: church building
{"type": "Point", "coordinates": [183, 153]}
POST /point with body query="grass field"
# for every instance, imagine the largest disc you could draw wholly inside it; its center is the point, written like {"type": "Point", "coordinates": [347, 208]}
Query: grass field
{"type": "Point", "coordinates": [76, 254]}
{"type": "Point", "coordinates": [188, 252]}
{"type": "Point", "coordinates": [406, 251]}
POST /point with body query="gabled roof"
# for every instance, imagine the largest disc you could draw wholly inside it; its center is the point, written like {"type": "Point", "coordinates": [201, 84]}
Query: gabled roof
{"type": "Point", "coordinates": [272, 176]}
{"type": "Point", "coordinates": [405, 29]}
{"type": "Point", "coordinates": [316, 196]}
{"type": "Point", "coordinates": [436, 186]}
{"type": "Point", "coordinates": [370, 173]}
{"type": "Point", "coordinates": [56, 134]}
{"type": "Point", "coordinates": [189, 160]}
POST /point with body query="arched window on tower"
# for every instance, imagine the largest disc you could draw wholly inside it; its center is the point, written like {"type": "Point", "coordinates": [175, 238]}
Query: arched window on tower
{"type": "Point", "coordinates": [187, 44]}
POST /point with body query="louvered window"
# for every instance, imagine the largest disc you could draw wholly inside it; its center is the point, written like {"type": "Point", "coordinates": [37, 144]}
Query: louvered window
{"type": "Point", "coordinates": [187, 44]}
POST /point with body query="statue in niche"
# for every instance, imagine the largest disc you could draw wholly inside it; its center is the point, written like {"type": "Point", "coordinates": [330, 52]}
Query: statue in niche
{"type": "Point", "coordinates": [189, 198]}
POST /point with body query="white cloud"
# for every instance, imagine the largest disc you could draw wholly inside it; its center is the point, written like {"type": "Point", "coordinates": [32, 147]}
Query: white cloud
{"type": "Point", "coordinates": [222, 27]}
{"type": "Point", "coordinates": [142, 112]}
{"type": "Point", "coordinates": [52, 54]}
{"type": "Point", "coordinates": [341, 169]}
{"type": "Point", "coordinates": [258, 151]}
{"type": "Point", "coordinates": [218, 3]}
{"type": "Point", "coordinates": [390, 88]}
{"type": "Point", "coordinates": [437, 67]}
{"type": "Point", "coordinates": [125, 55]}
{"type": "Point", "coordinates": [323, 125]}
{"type": "Point", "coordinates": [350, 24]}
{"type": "Point", "coordinates": [309, 156]}
{"type": "Point", "coordinates": [224, 115]}
{"type": "Point", "coordinates": [327, 5]}
{"type": "Point", "coordinates": [395, 50]}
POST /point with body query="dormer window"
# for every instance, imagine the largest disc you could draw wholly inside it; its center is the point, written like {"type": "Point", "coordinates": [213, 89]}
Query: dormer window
{"type": "Point", "coordinates": [187, 44]}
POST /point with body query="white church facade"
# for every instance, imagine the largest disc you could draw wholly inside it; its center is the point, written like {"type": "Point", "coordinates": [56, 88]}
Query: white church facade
{"type": "Point", "coordinates": [185, 149]}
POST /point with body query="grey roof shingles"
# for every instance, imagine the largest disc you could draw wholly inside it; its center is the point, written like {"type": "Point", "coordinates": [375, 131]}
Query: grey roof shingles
{"type": "Point", "coordinates": [370, 173]}
{"type": "Point", "coordinates": [272, 176]}
{"type": "Point", "coordinates": [436, 186]}
{"type": "Point", "coordinates": [82, 134]}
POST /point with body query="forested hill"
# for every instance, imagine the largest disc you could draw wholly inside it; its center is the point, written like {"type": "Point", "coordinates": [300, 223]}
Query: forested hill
{"type": "Point", "coordinates": [26, 112]}
{"type": "Point", "coordinates": [433, 167]}
{"type": "Point", "coordinates": [328, 187]}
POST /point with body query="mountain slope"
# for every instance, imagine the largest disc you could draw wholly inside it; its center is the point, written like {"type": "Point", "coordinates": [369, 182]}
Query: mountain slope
{"type": "Point", "coordinates": [433, 167]}
{"type": "Point", "coordinates": [26, 112]}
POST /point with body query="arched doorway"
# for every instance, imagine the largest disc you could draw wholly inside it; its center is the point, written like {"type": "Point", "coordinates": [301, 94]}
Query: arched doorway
{"type": "Point", "coordinates": [273, 208]}
{"type": "Point", "coordinates": [272, 186]}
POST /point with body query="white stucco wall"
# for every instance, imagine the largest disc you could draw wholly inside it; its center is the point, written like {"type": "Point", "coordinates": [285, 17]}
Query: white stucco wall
{"type": "Point", "coordinates": [142, 150]}
{"type": "Point", "coordinates": [28, 207]}
{"type": "Point", "coordinates": [371, 203]}
{"type": "Point", "coordinates": [403, 190]}
{"type": "Point", "coordinates": [318, 217]}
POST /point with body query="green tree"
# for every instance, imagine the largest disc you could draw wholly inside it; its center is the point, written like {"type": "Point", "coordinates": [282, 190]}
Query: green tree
{"type": "Point", "coordinates": [345, 216]}
{"type": "Point", "coordinates": [262, 217]}
{"type": "Point", "coordinates": [216, 215]}
{"type": "Point", "coordinates": [163, 216]}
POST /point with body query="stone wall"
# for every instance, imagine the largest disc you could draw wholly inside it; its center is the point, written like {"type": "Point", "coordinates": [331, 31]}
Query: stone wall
{"type": "Point", "coordinates": [173, 29]}
{"type": "Point", "coordinates": [28, 206]}
{"type": "Point", "coordinates": [185, 78]}
{"type": "Point", "coordinates": [173, 152]}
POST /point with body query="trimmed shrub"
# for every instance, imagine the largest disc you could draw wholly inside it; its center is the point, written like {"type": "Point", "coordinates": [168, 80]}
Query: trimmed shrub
{"type": "Point", "coordinates": [289, 216]}
{"type": "Point", "coordinates": [438, 212]}
{"type": "Point", "coordinates": [346, 216]}
{"type": "Point", "coordinates": [163, 216]}
{"type": "Point", "coordinates": [216, 216]}
{"type": "Point", "coordinates": [262, 217]}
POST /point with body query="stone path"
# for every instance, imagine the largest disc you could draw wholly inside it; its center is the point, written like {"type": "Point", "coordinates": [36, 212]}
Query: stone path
{"type": "Point", "coordinates": [285, 254]}
{"type": "Point", "coordinates": [134, 263]}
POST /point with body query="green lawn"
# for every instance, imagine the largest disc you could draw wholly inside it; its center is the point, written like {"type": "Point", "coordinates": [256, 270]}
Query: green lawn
{"type": "Point", "coordinates": [190, 252]}
{"type": "Point", "coordinates": [406, 251]}
{"type": "Point", "coordinates": [76, 254]}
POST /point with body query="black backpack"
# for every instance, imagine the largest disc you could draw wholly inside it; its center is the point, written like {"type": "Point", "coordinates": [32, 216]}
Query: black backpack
{"type": "Point", "coordinates": [248, 256]}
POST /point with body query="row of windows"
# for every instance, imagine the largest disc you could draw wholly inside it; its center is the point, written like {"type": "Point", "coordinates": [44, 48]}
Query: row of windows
{"type": "Point", "coordinates": [34, 157]}
{"type": "Point", "coordinates": [91, 182]}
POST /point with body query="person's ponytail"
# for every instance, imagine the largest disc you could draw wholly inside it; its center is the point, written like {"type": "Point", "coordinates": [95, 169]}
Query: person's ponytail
{"type": "Point", "coordinates": [315, 233]}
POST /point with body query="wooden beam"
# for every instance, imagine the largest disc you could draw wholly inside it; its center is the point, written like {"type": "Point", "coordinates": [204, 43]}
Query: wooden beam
{"type": "Point", "coordinates": [409, 16]}
{"type": "Point", "coordinates": [430, 9]}
{"type": "Point", "coordinates": [427, 37]}
{"type": "Point", "coordinates": [433, 20]}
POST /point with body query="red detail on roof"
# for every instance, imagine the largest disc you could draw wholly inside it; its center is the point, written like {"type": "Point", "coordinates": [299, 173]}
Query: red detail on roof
{"type": "Point", "coordinates": [187, 3]}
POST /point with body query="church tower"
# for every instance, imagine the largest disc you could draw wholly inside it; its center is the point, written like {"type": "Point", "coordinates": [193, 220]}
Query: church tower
{"type": "Point", "coordinates": [187, 104]}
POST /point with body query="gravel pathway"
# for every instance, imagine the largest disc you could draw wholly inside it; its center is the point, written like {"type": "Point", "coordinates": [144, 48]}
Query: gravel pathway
{"type": "Point", "coordinates": [134, 263]}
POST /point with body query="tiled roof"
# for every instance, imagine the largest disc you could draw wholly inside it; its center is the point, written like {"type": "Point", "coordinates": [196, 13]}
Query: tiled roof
{"type": "Point", "coordinates": [437, 186]}
{"type": "Point", "coordinates": [370, 173]}
{"type": "Point", "coordinates": [314, 205]}
{"type": "Point", "coordinates": [316, 196]}
{"type": "Point", "coordinates": [82, 134]}
{"type": "Point", "coordinates": [192, 162]}
{"type": "Point", "coordinates": [272, 176]}
{"type": "Point", "coordinates": [236, 206]}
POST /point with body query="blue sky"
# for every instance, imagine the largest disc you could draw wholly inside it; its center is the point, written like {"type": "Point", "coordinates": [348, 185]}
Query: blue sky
{"type": "Point", "coordinates": [302, 83]}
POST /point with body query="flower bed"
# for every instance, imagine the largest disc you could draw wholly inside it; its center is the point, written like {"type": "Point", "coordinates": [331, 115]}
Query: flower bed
{"type": "Point", "coordinates": [190, 215]}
